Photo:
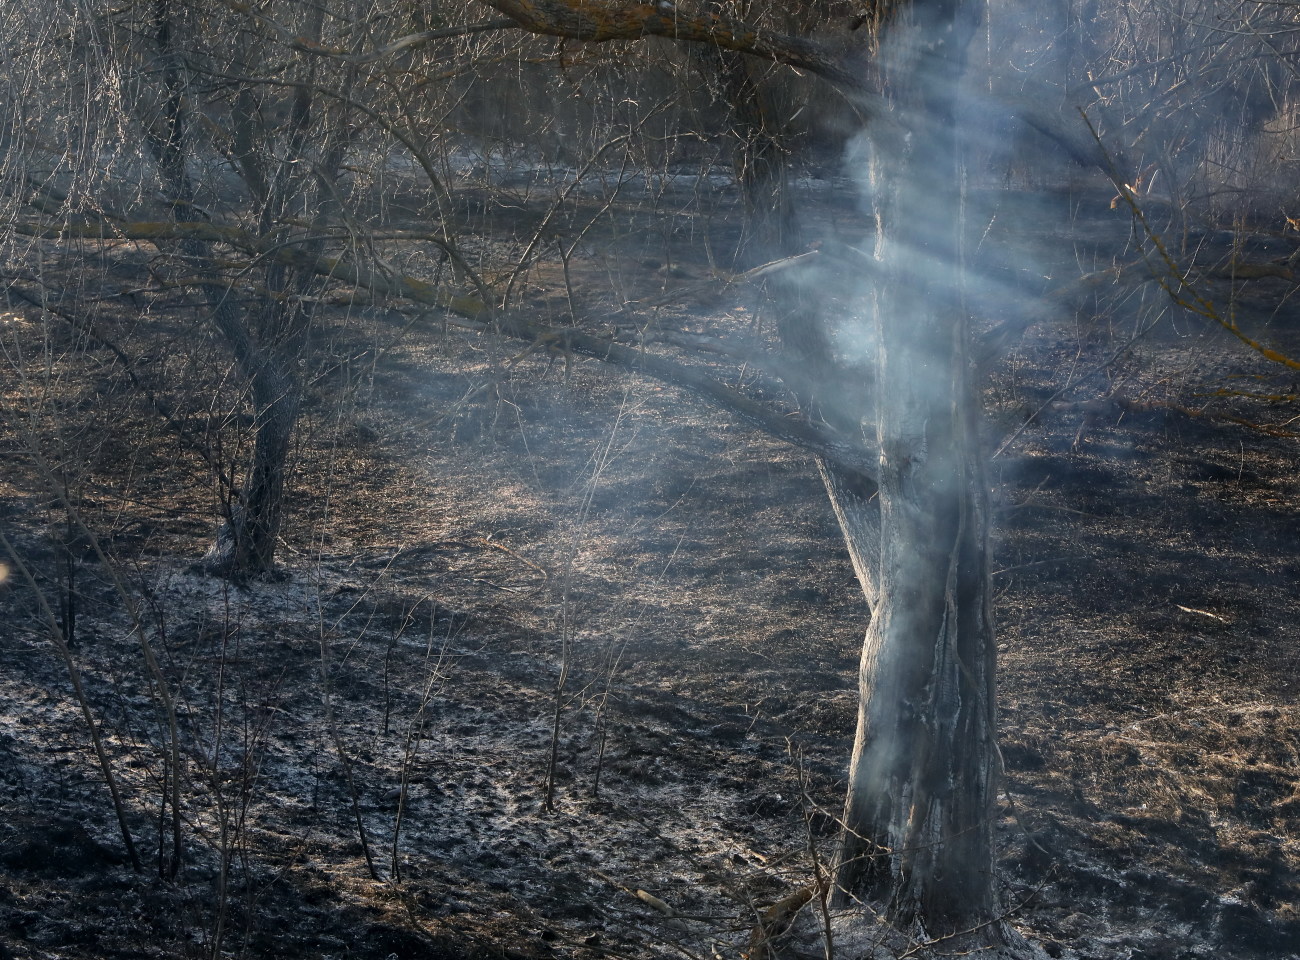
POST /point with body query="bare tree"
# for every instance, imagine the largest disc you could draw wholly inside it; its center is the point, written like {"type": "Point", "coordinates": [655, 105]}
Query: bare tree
{"type": "Point", "coordinates": [223, 129]}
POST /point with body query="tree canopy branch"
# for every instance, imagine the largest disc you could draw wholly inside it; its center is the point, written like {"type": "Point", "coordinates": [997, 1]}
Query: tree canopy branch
{"type": "Point", "coordinates": [595, 22]}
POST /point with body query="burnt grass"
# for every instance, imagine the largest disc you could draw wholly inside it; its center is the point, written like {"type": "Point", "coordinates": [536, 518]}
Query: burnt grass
{"type": "Point", "coordinates": [365, 741]}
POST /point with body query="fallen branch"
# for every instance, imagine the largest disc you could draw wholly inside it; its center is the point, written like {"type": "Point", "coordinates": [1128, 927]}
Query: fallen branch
{"type": "Point", "coordinates": [776, 920]}
{"type": "Point", "coordinates": [1203, 613]}
{"type": "Point", "coordinates": [652, 900]}
{"type": "Point", "coordinates": [1241, 270]}
{"type": "Point", "coordinates": [1117, 404]}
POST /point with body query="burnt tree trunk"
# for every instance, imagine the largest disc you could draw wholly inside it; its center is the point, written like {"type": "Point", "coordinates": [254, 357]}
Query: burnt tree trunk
{"type": "Point", "coordinates": [918, 831]}
{"type": "Point", "coordinates": [917, 826]}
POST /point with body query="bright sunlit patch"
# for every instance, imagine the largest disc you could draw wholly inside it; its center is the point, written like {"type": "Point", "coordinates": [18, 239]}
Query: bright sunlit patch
{"type": "Point", "coordinates": [4, 572]}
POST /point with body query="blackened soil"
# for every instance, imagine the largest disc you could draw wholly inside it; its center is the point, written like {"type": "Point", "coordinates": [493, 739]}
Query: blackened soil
{"type": "Point", "coordinates": [364, 745]}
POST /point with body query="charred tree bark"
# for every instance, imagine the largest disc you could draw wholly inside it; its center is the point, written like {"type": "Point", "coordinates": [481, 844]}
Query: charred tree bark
{"type": "Point", "coordinates": [918, 833]}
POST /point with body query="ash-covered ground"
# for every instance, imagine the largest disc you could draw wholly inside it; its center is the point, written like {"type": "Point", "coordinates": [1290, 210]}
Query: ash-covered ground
{"type": "Point", "coordinates": [499, 566]}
